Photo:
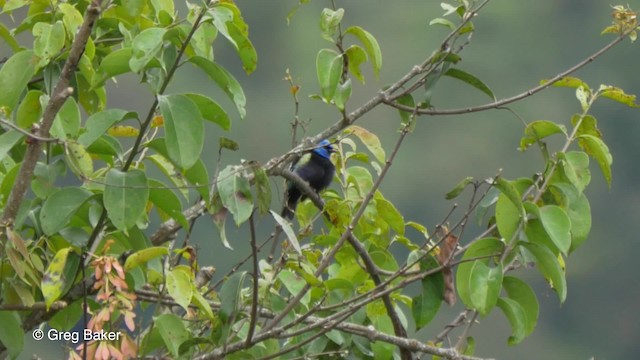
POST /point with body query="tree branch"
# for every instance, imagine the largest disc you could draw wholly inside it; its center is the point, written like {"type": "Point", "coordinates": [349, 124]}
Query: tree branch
{"type": "Point", "coordinates": [60, 94]}
{"type": "Point", "coordinates": [525, 94]}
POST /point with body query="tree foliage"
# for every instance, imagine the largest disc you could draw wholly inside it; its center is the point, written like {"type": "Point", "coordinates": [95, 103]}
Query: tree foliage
{"type": "Point", "coordinates": [81, 184]}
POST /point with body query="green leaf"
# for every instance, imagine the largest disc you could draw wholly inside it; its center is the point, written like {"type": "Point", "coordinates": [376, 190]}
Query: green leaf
{"type": "Point", "coordinates": [115, 63]}
{"type": "Point", "coordinates": [78, 159]}
{"type": "Point", "coordinates": [184, 129]}
{"type": "Point", "coordinates": [7, 141]}
{"type": "Point", "coordinates": [617, 94]}
{"type": "Point", "coordinates": [361, 178]}
{"type": "Point", "coordinates": [143, 256]}
{"type": "Point", "coordinates": [539, 130]}
{"type": "Point", "coordinates": [598, 150]}
{"type": "Point", "coordinates": [370, 45]}
{"type": "Point", "coordinates": [432, 79]}
{"type": "Point", "coordinates": [518, 291]}
{"type": "Point", "coordinates": [145, 46]}
{"type": "Point", "coordinates": [550, 268]}
{"type": "Point", "coordinates": [197, 175]}
{"type": "Point", "coordinates": [356, 56]}
{"type": "Point", "coordinates": [59, 275]}
{"type": "Point", "coordinates": [65, 319]}
{"type": "Point", "coordinates": [108, 146]}
{"type": "Point", "coordinates": [480, 248]}
{"type": "Point", "coordinates": [11, 333]}
{"type": "Point", "coordinates": [202, 303]}
{"type": "Point", "coordinates": [536, 233]}
{"type": "Point", "coordinates": [557, 224]}
{"type": "Point", "coordinates": [230, 295]}
{"type": "Point", "coordinates": [226, 143]}
{"type": "Point", "coordinates": [179, 286]}
{"type": "Point", "coordinates": [407, 116]}
{"type": "Point", "coordinates": [568, 81]}
{"type": "Point", "coordinates": [587, 124]}
{"type": "Point", "coordinates": [11, 5]}
{"type": "Point", "coordinates": [211, 111]}
{"type": "Point", "coordinates": [172, 331]}
{"type": "Point", "coordinates": [16, 72]}
{"type": "Point", "coordinates": [471, 80]}
{"type": "Point", "coordinates": [30, 109]}
{"type": "Point", "coordinates": [575, 166]}
{"type": "Point", "coordinates": [125, 197]}
{"type": "Point", "coordinates": [329, 21]}
{"type": "Point", "coordinates": [263, 189]}
{"type": "Point", "coordinates": [228, 20]}
{"type": "Point", "coordinates": [202, 40]}
{"type": "Point", "coordinates": [517, 318]}
{"type": "Point", "coordinates": [244, 47]}
{"type": "Point", "coordinates": [388, 212]}
{"type": "Point", "coordinates": [342, 95]}
{"type": "Point", "coordinates": [443, 22]}
{"type": "Point", "coordinates": [225, 81]}
{"type": "Point", "coordinates": [457, 190]}
{"type": "Point", "coordinates": [288, 230]}
{"type": "Point", "coordinates": [235, 193]}
{"type": "Point", "coordinates": [58, 209]}
{"type": "Point", "coordinates": [509, 189]}
{"type": "Point", "coordinates": [425, 306]}
{"type": "Point", "coordinates": [71, 17]}
{"type": "Point", "coordinates": [5, 34]}
{"type": "Point", "coordinates": [66, 125]}
{"type": "Point", "coordinates": [508, 217]}
{"type": "Point", "coordinates": [329, 69]}
{"type": "Point", "coordinates": [294, 284]}
{"type": "Point", "coordinates": [579, 212]}
{"type": "Point", "coordinates": [489, 200]}
{"type": "Point", "coordinates": [98, 124]}
{"type": "Point", "coordinates": [167, 202]}
{"type": "Point", "coordinates": [382, 350]}
{"type": "Point", "coordinates": [370, 140]}
{"type": "Point", "coordinates": [484, 286]}
{"type": "Point", "coordinates": [49, 40]}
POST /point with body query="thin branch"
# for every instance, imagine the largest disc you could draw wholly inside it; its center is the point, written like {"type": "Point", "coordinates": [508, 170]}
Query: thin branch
{"type": "Point", "coordinates": [367, 331]}
{"type": "Point", "coordinates": [458, 321]}
{"type": "Point", "coordinates": [525, 94]}
{"type": "Point", "coordinates": [465, 332]}
{"type": "Point", "coordinates": [25, 132]}
{"type": "Point", "coordinates": [256, 276]}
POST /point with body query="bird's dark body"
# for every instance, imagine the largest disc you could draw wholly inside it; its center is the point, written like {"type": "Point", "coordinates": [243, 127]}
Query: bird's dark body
{"type": "Point", "coordinates": [317, 170]}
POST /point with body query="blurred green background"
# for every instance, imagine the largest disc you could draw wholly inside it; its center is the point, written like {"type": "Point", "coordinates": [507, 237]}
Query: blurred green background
{"type": "Point", "coordinates": [516, 44]}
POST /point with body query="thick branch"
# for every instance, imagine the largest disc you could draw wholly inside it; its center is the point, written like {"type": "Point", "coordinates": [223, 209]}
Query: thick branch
{"type": "Point", "coordinates": [60, 94]}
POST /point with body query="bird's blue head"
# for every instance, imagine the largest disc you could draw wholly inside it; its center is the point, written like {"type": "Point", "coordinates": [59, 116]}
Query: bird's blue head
{"type": "Point", "coordinates": [324, 149]}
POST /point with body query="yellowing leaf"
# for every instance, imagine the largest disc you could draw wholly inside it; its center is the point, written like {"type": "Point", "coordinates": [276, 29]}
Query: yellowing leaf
{"type": "Point", "coordinates": [157, 120]}
{"type": "Point", "coordinates": [370, 140]}
{"type": "Point", "coordinates": [568, 81]}
{"type": "Point", "coordinates": [123, 131]}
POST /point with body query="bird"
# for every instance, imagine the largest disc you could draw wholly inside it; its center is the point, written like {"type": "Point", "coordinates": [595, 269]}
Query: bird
{"type": "Point", "coordinates": [316, 169]}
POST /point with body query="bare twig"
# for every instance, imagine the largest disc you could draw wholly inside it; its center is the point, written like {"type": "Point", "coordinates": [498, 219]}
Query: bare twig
{"type": "Point", "coordinates": [525, 94]}
{"type": "Point", "coordinates": [25, 132]}
{"type": "Point", "coordinates": [256, 276]}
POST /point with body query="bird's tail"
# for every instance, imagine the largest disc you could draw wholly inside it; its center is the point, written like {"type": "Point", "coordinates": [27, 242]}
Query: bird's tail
{"type": "Point", "coordinates": [287, 212]}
